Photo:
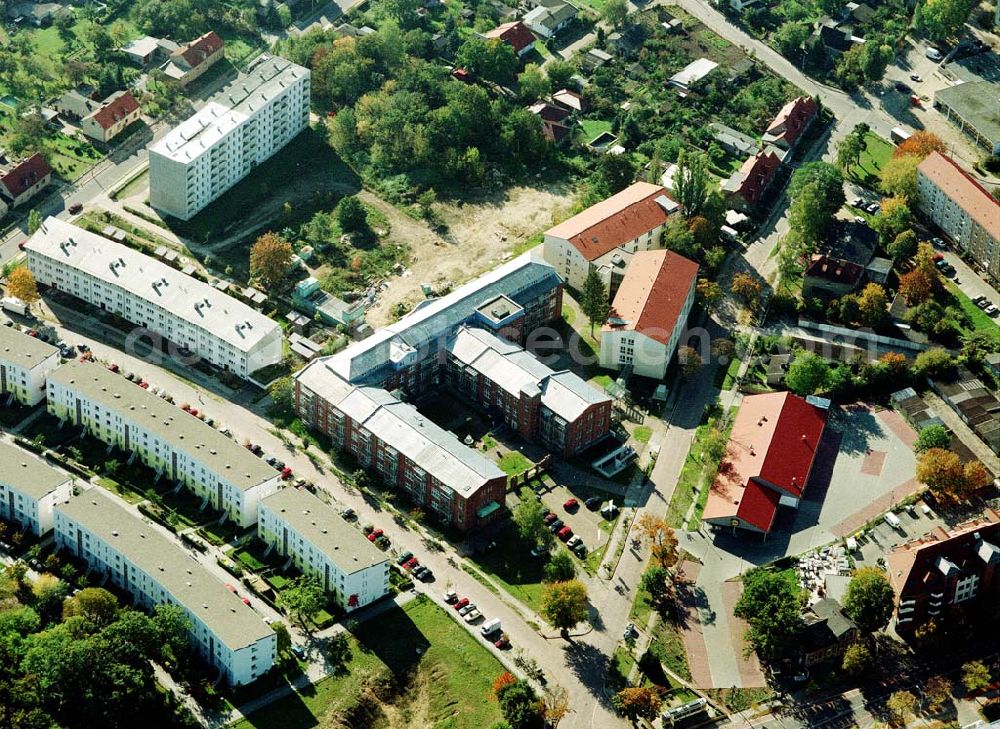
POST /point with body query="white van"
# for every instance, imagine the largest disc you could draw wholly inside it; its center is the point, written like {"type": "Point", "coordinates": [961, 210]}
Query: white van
{"type": "Point", "coordinates": [893, 521]}
{"type": "Point", "coordinates": [490, 627]}
{"type": "Point", "coordinates": [933, 53]}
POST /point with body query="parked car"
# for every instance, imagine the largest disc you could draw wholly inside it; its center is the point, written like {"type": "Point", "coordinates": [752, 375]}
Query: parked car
{"type": "Point", "coordinates": [859, 220]}
{"type": "Point", "coordinates": [450, 596]}
{"type": "Point", "coordinates": [580, 550]}
{"type": "Point", "coordinates": [75, 208]}
{"type": "Point", "coordinates": [426, 574]}
{"type": "Point", "coordinates": [472, 616]}
{"type": "Point", "coordinates": [550, 517]}
{"type": "Point", "coordinates": [538, 551]}
{"type": "Point", "coordinates": [404, 557]}
{"type": "Point", "coordinates": [992, 310]}
{"type": "Point", "coordinates": [903, 88]}
{"type": "Point", "coordinates": [933, 53]}
{"type": "Point", "coordinates": [593, 503]}
{"type": "Point", "coordinates": [347, 513]}
{"type": "Point", "coordinates": [246, 601]}
{"type": "Point", "coordinates": [555, 526]}
{"type": "Point", "coordinates": [857, 202]}
{"type": "Point", "coordinates": [410, 563]}
{"type": "Point", "coordinates": [573, 541]}
{"type": "Point", "coordinates": [565, 533]}
{"type": "Point", "coordinates": [420, 571]}
{"type": "Point", "coordinates": [459, 604]}
{"type": "Point", "coordinates": [872, 208]}
{"type": "Point", "coordinates": [630, 631]}
{"type": "Point", "coordinates": [286, 473]}
{"type": "Point", "coordinates": [375, 535]}
{"type": "Point", "coordinates": [503, 642]}
{"type": "Point", "coordinates": [271, 461]}
{"type": "Point", "coordinates": [571, 504]}
{"type": "Point", "coordinates": [299, 652]}
{"type": "Point", "coordinates": [467, 608]}
{"type": "Point", "coordinates": [231, 588]}
{"type": "Point", "coordinates": [915, 77]}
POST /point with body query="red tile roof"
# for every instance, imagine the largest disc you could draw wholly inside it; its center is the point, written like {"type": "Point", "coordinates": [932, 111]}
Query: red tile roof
{"type": "Point", "coordinates": [772, 446]}
{"type": "Point", "coordinates": [27, 173]}
{"type": "Point", "coordinates": [514, 34]}
{"type": "Point", "coordinates": [968, 194]}
{"type": "Point", "coordinates": [615, 221]}
{"type": "Point", "coordinates": [834, 270]}
{"type": "Point", "coordinates": [652, 294]}
{"type": "Point", "coordinates": [549, 112]}
{"type": "Point", "coordinates": [759, 506]}
{"type": "Point", "coordinates": [115, 110]}
{"type": "Point", "coordinates": [792, 119]}
{"type": "Point", "coordinates": [757, 173]}
{"type": "Point", "coordinates": [201, 48]}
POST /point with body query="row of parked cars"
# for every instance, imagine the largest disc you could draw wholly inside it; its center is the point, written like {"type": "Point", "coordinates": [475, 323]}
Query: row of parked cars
{"type": "Point", "coordinates": [986, 305]}
{"type": "Point", "coordinates": [491, 630]}
{"type": "Point", "coordinates": [412, 565]}
{"type": "Point", "coordinates": [565, 534]}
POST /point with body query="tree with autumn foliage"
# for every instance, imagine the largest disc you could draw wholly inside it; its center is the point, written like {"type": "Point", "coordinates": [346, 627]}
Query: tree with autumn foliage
{"type": "Point", "coordinates": [21, 284]}
{"type": "Point", "coordinates": [708, 294]}
{"type": "Point", "coordinates": [920, 144]}
{"type": "Point", "coordinates": [661, 539]}
{"type": "Point", "coordinates": [502, 681]}
{"type": "Point", "coordinates": [943, 473]}
{"type": "Point", "coordinates": [564, 605]}
{"type": "Point", "coordinates": [893, 218]}
{"type": "Point", "coordinates": [270, 258]}
{"type": "Point", "coordinates": [976, 476]}
{"type": "Point", "coordinates": [873, 305]}
{"type": "Point", "coordinates": [917, 286]}
{"type": "Point", "coordinates": [746, 287]}
{"type": "Point", "coordinates": [639, 702]}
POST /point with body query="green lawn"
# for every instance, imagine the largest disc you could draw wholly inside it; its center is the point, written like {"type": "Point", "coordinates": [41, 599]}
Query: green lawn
{"type": "Point", "coordinates": [877, 152]}
{"type": "Point", "coordinates": [977, 317]}
{"type": "Point", "coordinates": [698, 469]}
{"type": "Point", "coordinates": [511, 565]}
{"type": "Point", "coordinates": [668, 646]}
{"type": "Point", "coordinates": [514, 462]}
{"type": "Point", "coordinates": [593, 127]}
{"type": "Point", "coordinates": [642, 433]}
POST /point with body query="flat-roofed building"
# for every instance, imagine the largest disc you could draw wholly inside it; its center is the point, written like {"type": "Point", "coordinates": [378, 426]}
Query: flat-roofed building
{"type": "Point", "coordinates": [167, 439]}
{"type": "Point", "coordinates": [25, 362]}
{"type": "Point", "coordinates": [300, 526]}
{"type": "Point", "coordinates": [172, 305]}
{"type": "Point", "coordinates": [962, 208]}
{"type": "Point", "coordinates": [30, 488]}
{"type": "Point", "coordinates": [249, 120]}
{"type": "Point", "coordinates": [972, 107]}
{"type": "Point", "coordinates": [115, 542]}
{"type": "Point", "coordinates": [629, 221]}
{"type": "Point", "coordinates": [649, 313]}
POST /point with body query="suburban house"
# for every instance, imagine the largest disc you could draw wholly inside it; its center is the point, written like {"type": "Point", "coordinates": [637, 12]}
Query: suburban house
{"type": "Point", "coordinates": [692, 73]}
{"type": "Point", "coordinates": [649, 313]}
{"type": "Point", "coordinates": [830, 278]}
{"type": "Point", "coordinates": [40, 15]}
{"type": "Point", "coordinates": [25, 180]}
{"type": "Point", "coordinates": [753, 179]}
{"type": "Point", "coordinates": [606, 233]}
{"type": "Point", "coordinates": [736, 143]}
{"type": "Point", "coordinates": [946, 570]}
{"type": "Point", "coordinates": [557, 409]}
{"type": "Point", "coordinates": [547, 20]}
{"type": "Point", "coordinates": [119, 545]}
{"type": "Point", "coordinates": [24, 364]}
{"type": "Point", "coordinates": [836, 40]}
{"type": "Point", "coordinates": [827, 634]}
{"type": "Point", "coordinates": [768, 461]}
{"type": "Point", "coordinates": [191, 60]}
{"type": "Point", "coordinates": [309, 532]}
{"type": "Point", "coordinates": [553, 117]}
{"type": "Point", "coordinates": [627, 41]}
{"type": "Point", "coordinates": [74, 106]}
{"type": "Point", "coordinates": [148, 50]}
{"type": "Point", "coordinates": [570, 100]}
{"type": "Point", "coordinates": [29, 489]}
{"type": "Point", "coordinates": [347, 395]}
{"type": "Point", "coordinates": [170, 441]}
{"type": "Point", "coordinates": [791, 122]}
{"type": "Point", "coordinates": [111, 118]}
{"type": "Point", "coordinates": [516, 35]}
{"type": "Point", "coordinates": [962, 208]}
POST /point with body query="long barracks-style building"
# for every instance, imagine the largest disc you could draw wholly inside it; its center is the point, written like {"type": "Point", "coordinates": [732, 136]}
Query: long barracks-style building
{"type": "Point", "coordinates": [175, 444]}
{"type": "Point", "coordinates": [115, 542]}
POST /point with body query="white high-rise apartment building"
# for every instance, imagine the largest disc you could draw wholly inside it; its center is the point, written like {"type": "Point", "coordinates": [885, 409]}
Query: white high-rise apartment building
{"type": "Point", "coordinates": [303, 528]}
{"type": "Point", "coordinates": [167, 439]}
{"type": "Point", "coordinates": [24, 363]}
{"type": "Point", "coordinates": [115, 542]}
{"type": "Point", "coordinates": [29, 489]}
{"type": "Point", "coordinates": [244, 124]}
{"type": "Point", "coordinates": [142, 290]}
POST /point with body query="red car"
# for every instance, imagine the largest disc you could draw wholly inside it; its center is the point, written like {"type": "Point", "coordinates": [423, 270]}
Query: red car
{"type": "Point", "coordinates": [565, 533]}
{"type": "Point", "coordinates": [571, 505]}
{"type": "Point", "coordinates": [286, 473]}
{"type": "Point", "coordinates": [461, 603]}
{"type": "Point", "coordinates": [113, 367]}
{"type": "Point", "coordinates": [410, 563]}
{"type": "Point", "coordinates": [502, 642]}
{"type": "Point", "coordinates": [375, 535]}
{"type": "Point", "coordinates": [231, 588]}
{"type": "Point", "coordinates": [246, 601]}
{"type": "Point", "coordinates": [549, 518]}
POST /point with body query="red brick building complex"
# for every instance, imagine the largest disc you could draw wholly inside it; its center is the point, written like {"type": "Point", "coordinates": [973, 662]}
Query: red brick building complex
{"type": "Point", "coordinates": [946, 570]}
{"type": "Point", "coordinates": [767, 463]}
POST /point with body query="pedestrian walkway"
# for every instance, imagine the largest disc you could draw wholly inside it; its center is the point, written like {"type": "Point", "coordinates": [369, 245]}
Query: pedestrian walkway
{"type": "Point", "coordinates": [691, 629]}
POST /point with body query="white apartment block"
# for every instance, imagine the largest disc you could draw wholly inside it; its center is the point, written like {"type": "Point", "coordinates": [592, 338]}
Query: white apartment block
{"type": "Point", "coordinates": [152, 295]}
{"type": "Point", "coordinates": [29, 489]}
{"type": "Point", "coordinates": [320, 544]}
{"type": "Point", "coordinates": [24, 363]}
{"type": "Point", "coordinates": [172, 442]}
{"type": "Point", "coordinates": [606, 234]}
{"type": "Point", "coordinates": [135, 556]}
{"type": "Point", "coordinates": [243, 125]}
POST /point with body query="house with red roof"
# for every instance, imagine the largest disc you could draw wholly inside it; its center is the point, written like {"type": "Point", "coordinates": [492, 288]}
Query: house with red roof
{"type": "Point", "coordinates": [555, 126]}
{"type": "Point", "coordinates": [944, 571]}
{"type": "Point", "coordinates": [768, 461]}
{"type": "Point", "coordinates": [787, 127]}
{"type": "Point", "coordinates": [111, 118]}
{"type": "Point", "coordinates": [516, 35]}
{"type": "Point", "coordinates": [25, 180]}
{"type": "Point", "coordinates": [828, 278]}
{"type": "Point", "coordinates": [747, 185]}
{"type": "Point", "coordinates": [194, 58]}
{"type": "Point", "coordinates": [649, 312]}
{"type": "Point", "coordinates": [629, 221]}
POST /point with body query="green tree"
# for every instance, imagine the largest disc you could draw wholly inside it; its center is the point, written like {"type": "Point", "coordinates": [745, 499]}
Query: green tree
{"type": "Point", "coordinates": [932, 436]}
{"type": "Point", "coordinates": [873, 305]}
{"type": "Point", "coordinates": [529, 516]}
{"type": "Point", "coordinates": [869, 600]}
{"type": "Point", "coordinates": [34, 221]}
{"type": "Point", "coordinates": [338, 652]}
{"type": "Point", "coordinates": [564, 605]}
{"type": "Point", "coordinates": [95, 605]}
{"type": "Point", "coordinates": [941, 19]}
{"type": "Point", "coordinates": [893, 218]}
{"type": "Point", "coordinates": [351, 215]}
{"type": "Point", "coordinates": [771, 604]}
{"type": "Point", "coordinates": [691, 182]}
{"type": "Point", "coordinates": [849, 151]}
{"type": "Point", "coordinates": [932, 362]}
{"type": "Point", "coordinates": [875, 58]}
{"type": "Point", "coordinates": [560, 73]}
{"type": "Point", "coordinates": [975, 676]}
{"type": "Point", "coordinates": [816, 193]}
{"type": "Point", "coordinates": [533, 84]}
{"type": "Point", "coordinates": [520, 705]}
{"type": "Point", "coordinates": [594, 300]}
{"type": "Point", "coordinates": [302, 599]}
{"type": "Point", "coordinates": [284, 639]}
{"type": "Point", "coordinates": [790, 36]}
{"type": "Point", "coordinates": [708, 294]}
{"type": "Point", "coordinates": [172, 629]}
{"type": "Point", "coordinates": [857, 660]}
{"type": "Point", "coordinates": [282, 393]}
{"type": "Point", "coordinates": [560, 567]}
{"type": "Point", "coordinates": [902, 706]}
{"type": "Point", "coordinates": [656, 581]}
{"type": "Point", "coordinates": [677, 236]}
{"type": "Point", "coordinates": [403, 12]}
{"type": "Point", "coordinates": [807, 374]}
{"type": "Point", "coordinates": [899, 177]}
{"type": "Point", "coordinates": [615, 12]}
{"type": "Point", "coordinates": [903, 246]}
{"type": "Point", "coordinates": [492, 60]}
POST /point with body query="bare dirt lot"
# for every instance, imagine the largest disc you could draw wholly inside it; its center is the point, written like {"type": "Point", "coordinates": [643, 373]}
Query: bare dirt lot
{"type": "Point", "coordinates": [479, 236]}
